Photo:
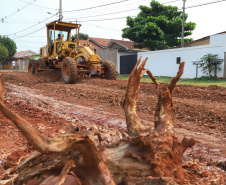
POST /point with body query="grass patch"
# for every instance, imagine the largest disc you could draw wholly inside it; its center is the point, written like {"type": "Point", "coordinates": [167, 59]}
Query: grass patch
{"type": "Point", "coordinates": [203, 81]}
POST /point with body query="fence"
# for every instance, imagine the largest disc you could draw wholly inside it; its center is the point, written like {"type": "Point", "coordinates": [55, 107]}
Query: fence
{"type": "Point", "coordinates": [21, 65]}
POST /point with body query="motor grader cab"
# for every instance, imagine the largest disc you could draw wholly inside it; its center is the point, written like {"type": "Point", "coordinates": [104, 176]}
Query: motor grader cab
{"type": "Point", "coordinates": [75, 61]}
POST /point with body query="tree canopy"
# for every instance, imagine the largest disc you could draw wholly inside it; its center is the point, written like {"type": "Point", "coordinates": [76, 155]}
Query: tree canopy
{"type": "Point", "coordinates": [157, 27]}
{"type": "Point", "coordinates": [4, 54]}
{"type": "Point", "coordinates": [9, 44]}
{"type": "Point", "coordinates": [81, 36]}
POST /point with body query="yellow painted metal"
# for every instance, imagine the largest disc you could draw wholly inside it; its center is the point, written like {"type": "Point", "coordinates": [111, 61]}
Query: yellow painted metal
{"type": "Point", "coordinates": [87, 54]}
{"type": "Point", "coordinates": [62, 26]}
{"type": "Point", "coordinates": [87, 42]}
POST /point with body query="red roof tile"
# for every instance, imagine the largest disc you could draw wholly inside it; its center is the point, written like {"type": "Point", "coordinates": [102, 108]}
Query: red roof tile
{"type": "Point", "coordinates": [20, 52]}
{"type": "Point", "coordinates": [92, 44]}
{"type": "Point", "coordinates": [100, 41]}
{"type": "Point", "coordinates": [128, 44]}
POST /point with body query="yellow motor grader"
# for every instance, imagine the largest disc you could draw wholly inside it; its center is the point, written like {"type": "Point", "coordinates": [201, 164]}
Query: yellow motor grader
{"type": "Point", "coordinates": [74, 61]}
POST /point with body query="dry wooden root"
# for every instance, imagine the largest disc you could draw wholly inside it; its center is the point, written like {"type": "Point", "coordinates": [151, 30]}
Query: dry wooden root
{"type": "Point", "coordinates": [7, 173]}
{"type": "Point", "coordinates": [134, 125]}
{"type": "Point", "coordinates": [162, 149]}
{"type": "Point", "coordinates": [92, 169]}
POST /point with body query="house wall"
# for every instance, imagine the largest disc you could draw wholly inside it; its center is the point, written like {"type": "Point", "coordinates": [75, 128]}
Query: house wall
{"type": "Point", "coordinates": [108, 54]}
{"type": "Point", "coordinates": [116, 46]}
{"type": "Point", "coordinates": [23, 64]}
{"type": "Point", "coordinates": [218, 38]}
{"type": "Point", "coordinates": [163, 62]}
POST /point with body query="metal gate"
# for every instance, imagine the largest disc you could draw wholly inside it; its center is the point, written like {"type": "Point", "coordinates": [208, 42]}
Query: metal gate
{"type": "Point", "coordinates": [127, 63]}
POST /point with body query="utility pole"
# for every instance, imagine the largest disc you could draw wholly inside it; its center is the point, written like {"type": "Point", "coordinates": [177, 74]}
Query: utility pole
{"type": "Point", "coordinates": [182, 32]}
{"type": "Point", "coordinates": [60, 11]}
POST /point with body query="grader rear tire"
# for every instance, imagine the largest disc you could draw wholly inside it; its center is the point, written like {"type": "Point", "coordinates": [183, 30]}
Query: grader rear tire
{"type": "Point", "coordinates": [31, 67]}
{"type": "Point", "coordinates": [110, 71]}
{"type": "Point", "coordinates": [69, 70]}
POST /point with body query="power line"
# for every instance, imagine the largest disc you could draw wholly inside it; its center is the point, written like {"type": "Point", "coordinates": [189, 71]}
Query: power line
{"type": "Point", "coordinates": [103, 27]}
{"type": "Point", "coordinates": [4, 18]}
{"type": "Point", "coordinates": [116, 12]}
{"type": "Point", "coordinates": [110, 18]}
{"type": "Point", "coordinates": [96, 6]}
{"type": "Point", "coordinates": [105, 19]}
{"type": "Point", "coordinates": [118, 6]}
{"type": "Point", "coordinates": [39, 5]}
{"type": "Point", "coordinates": [29, 33]}
{"type": "Point", "coordinates": [37, 36]}
{"type": "Point", "coordinates": [31, 26]}
{"type": "Point", "coordinates": [167, 2]}
{"type": "Point", "coordinates": [104, 14]}
{"type": "Point", "coordinates": [170, 2]}
{"type": "Point", "coordinates": [205, 4]}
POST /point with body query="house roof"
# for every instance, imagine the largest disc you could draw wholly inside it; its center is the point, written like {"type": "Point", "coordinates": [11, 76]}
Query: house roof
{"type": "Point", "coordinates": [19, 53]}
{"type": "Point", "coordinates": [123, 43]}
{"type": "Point", "coordinates": [92, 45]}
{"type": "Point", "coordinates": [23, 54]}
{"type": "Point", "coordinates": [100, 41]}
{"type": "Point", "coordinates": [199, 40]}
{"type": "Point", "coordinates": [128, 45]}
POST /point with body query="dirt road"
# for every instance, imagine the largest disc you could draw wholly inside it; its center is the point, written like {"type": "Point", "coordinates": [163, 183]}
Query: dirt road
{"type": "Point", "coordinates": [52, 107]}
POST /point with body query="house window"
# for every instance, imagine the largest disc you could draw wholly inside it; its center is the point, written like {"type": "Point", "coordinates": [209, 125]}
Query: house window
{"type": "Point", "coordinates": [178, 60]}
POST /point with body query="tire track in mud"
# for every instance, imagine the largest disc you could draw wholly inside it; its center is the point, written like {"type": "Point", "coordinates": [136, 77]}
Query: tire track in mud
{"type": "Point", "coordinates": [65, 110]}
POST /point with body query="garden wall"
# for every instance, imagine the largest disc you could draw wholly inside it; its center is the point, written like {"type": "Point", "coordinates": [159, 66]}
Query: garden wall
{"type": "Point", "coordinates": [164, 62]}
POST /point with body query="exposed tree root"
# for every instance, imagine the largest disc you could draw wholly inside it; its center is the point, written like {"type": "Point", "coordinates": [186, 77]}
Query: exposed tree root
{"type": "Point", "coordinates": [134, 125]}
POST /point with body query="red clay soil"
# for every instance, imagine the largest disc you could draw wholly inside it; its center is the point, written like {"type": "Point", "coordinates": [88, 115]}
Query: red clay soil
{"type": "Point", "coordinates": [52, 107]}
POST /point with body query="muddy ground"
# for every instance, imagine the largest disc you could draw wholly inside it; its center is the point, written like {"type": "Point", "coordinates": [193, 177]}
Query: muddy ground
{"type": "Point", "coordinates": [52, 107]}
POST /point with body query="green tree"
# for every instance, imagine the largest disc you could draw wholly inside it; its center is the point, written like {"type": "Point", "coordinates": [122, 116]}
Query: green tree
{"type": "Point", "coordinates": [9, 44]}
{"type": "Point", "coordinates": [4, 54]}
{"type": "Point", "coordinates": [157, 27]}
{"type": "Point", "coordinates": [207, 65]}
{"type": "Point", "coordinates": [81, 36]}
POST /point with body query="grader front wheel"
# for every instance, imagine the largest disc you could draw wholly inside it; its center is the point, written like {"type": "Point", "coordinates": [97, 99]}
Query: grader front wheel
{"type": "Point", "coordinates": [69, 70]}
{"type": "Point", "coordinates": [109, 70]}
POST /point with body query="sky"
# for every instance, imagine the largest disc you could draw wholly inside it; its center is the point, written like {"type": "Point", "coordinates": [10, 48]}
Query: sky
{"type": "Point", "coordinates": [24, 20]}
